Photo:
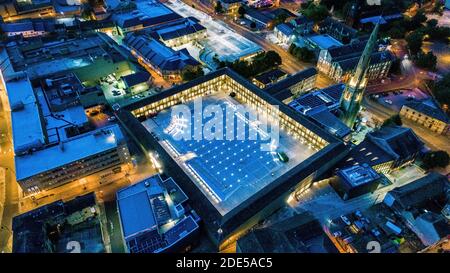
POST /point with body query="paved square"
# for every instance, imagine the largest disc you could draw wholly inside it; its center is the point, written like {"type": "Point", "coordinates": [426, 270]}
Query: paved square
{"type": "Point", "coordinates": [227, 171]}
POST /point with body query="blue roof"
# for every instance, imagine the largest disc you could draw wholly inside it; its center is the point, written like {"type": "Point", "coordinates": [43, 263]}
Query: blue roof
{"type": "Point", "coordinates": [285, 29]}
{"type": "Point", "coordinates": [136, 214]}
{"type": "Point", "coordinates": [176, 29]}
{"type": "Point", "coordinates": [158, 54]}
{"type": "Point", "coordinates": [324, 41]}
{"type": "Point", "coordinates": [28, 26]}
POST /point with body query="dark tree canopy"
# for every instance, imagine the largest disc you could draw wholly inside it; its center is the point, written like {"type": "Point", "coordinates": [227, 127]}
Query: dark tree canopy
{"type": "Point", "coordinates": [436, 159]}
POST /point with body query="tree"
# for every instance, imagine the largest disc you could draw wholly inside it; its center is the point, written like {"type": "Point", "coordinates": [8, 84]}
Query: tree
{"type": "Point", "coordinates": [415, 41]}
{"type": "Point", "coordinates": [315, 12]}
{"type": "Point", "coordinates": [397, 30]}
{"type": "Point", "coordinates": [435, 159]}
{"type": "Point", "coordinates": [432, 23]}
{"type": "Point", "coordinates": [419, 19]}
{"type": "Point", "coordinates": [426, 60]}
{"type": "Point", "coordinates": [441, 90]}
{"type": "Point", "coordinates": [218, 8]}
{"type": "Point", "coordinates": [241, 11]}
{"type": "Point", "coordinates": [191, 74]}
{"type": "Point", "coordinates": [301, 53]}
{"type": "Point", "coordinates": [394, 120]}
{"type": "Point", "coordinates": [396, 67]}
{"type": "Point", "coordinates": [259, 64]}
{"type": "Point", "coordinates": [272, 59]}
{"type": "Point", "coordinates": [281, 18]}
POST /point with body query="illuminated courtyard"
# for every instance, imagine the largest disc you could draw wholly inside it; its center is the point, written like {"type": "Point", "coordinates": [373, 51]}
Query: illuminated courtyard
{"type": "Point", "coordinates": [227, 171]}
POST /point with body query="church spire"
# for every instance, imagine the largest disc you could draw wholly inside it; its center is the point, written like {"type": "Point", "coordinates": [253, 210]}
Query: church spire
{"type": "Point", "coordinates": [354, 91]}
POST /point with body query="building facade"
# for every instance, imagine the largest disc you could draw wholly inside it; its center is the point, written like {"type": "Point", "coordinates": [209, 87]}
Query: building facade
{"type": "Point", "coordinates": [339, 63]}
{"type": "Point", "coordinates": [157, 57]}
{"type": "Point", "coordinates": [428, 114]}
{"type": "Point", "coordinates": [225, 229]}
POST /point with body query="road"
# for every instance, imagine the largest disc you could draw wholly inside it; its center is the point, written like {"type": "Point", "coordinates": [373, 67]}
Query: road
{"type": "Point", "coordinates": [290, 63]}
{"type": "Point", "coordinates": [11, 207]}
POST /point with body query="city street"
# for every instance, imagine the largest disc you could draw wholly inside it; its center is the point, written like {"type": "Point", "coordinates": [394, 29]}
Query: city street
{"type": "Point", "coordinates": [290, 63]}
{"type": "Point", "coordinates": [11, 207]}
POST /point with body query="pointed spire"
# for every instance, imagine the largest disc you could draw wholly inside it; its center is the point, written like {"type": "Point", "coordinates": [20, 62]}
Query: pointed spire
{"type": "Point", "coordinates": [353, 93]}
{"type": "Point", "coordinates": [364, 61]}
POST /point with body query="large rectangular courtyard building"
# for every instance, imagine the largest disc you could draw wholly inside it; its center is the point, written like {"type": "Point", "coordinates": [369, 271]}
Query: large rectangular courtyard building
{"type": "Point", "coordinates": [233, 184]}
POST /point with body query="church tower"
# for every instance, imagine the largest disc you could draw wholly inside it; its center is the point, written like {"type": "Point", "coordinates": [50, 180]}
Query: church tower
{"type": "Point", "coordinates": [354, 91]}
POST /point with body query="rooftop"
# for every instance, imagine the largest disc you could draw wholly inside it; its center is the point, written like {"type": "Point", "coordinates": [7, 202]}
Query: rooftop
{"type": "Point", "coordinates": [227, 171]}
{"type": "Point", "coordinates": [420, 190]}
{"type": "Point", "coordinates": [270, 76]}
{"type": "Point", "coordinates": [147, 13]}
{"type": "Point", "coordinates": [68, 151]}
{"type": "Point", "coordinates": [376, 57]}
{"type": "Point", "coordinates": [27, 129]}
{"type": "Point", "coordinates": [28, 25]}
{"type": "Point", "coordinates": [358, 175]}
{"type": "Point", "coordinates": [158, 54]}
{"type": "Point", "coordinates": [136, 78]}
{"type": "Point", "coordinates": [51, 227]}
{"type": "Point", "coordinates": [327, 98]}
{"type": "Point", "coordinates": [400, 142]}
{"type": "Point", "coordinates": [149, 215]}
{"type": "Point", "coordinates": [290, 81]}
{"type": "Point", "coordinates": [331, 123]}
{"type": "Point", "coordinates": [324, 41]}
{"type": "Point", "coordinates": [175, 29]}
{"type": "Point", "coordinates": [213, 218]}
{"type": "Point", "coordinates": [286, 29]}
{"type": "Point", "coordinates": [429, 108]}
{"type": "Point", "coordinates": [40, 59]}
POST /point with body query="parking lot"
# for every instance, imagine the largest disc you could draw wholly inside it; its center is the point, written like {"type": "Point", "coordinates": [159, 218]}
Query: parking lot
{"type": "Point", "coordinates": [396, 99]}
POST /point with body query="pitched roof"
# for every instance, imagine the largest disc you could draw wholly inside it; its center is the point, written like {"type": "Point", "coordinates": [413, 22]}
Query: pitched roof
{"type": "Point", "coordinates": [158, 54]}
{"type": "Point", "coordinates": [291, 81]}
{"type": "Point", "coordinates": [270, 76]}
{"type": "Point", "coordinates": [420, 190]}
{"type": "Point", "coordinates": [347, 51]}
{"type": "Point", "coordinates": [377, 57]}
{"type": "Point", "coordinates": [136, 78]}
{"type": "Point", "coordinates": [177, 28]}
{"type": "Point", "coordinates": [286, 29]}
{"type": "Point", "coordinates": [399, 141]}
{"type": "Point", "coordinates": [28, 25]}
{"type": "Point", "coordinates": [257, 15]}
{"type": "Point", "coordinates": [429, 108]}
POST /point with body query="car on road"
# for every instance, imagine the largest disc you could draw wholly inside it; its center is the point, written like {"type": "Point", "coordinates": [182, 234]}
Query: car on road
{"type": "Point", "coordinates": [388, 102]}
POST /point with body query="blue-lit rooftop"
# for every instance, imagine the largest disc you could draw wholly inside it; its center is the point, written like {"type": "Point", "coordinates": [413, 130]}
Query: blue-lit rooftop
{"type": "Point", "coordinates": [227, 171]}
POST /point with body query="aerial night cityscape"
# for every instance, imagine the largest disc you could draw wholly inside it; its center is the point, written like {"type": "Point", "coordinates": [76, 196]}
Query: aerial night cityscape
{"type": "Point", "coordinates": [224, 126]}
